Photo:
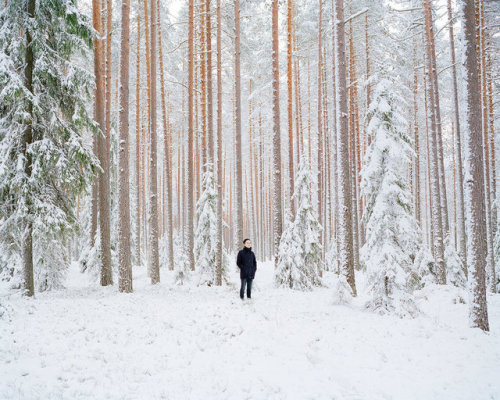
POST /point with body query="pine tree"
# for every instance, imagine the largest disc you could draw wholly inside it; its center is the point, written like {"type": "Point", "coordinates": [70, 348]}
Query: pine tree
{"type": "Point", "coordinates": [276, 167]}
{"type": "Point", "coordinates": [124, 251]}
{"type": "Point", "coordinates": [345, 229]}
{"type": "Point", "coordinates": [300, 251]}
{"type": "Point", "coordinates": [392, 233]}
{"type": "Point", "coordinates": [474, 190]}
{"type": "Point", "coordinates": [44, 158]}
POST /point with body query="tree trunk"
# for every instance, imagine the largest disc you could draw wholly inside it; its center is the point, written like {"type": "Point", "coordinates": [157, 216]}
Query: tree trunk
{"type": "Point", "coordinates": [335, 140]}
{"type": "Point", "coordinates": [138, 147]}
{"type": "Point", "coordinates": [346, 254]}
{"type": "Point", "coordinates": [417, 146]}
{"type": "Point", "coordinates": [277, 210]}
{"type": "Point", "coordinates": [109, 14]}
{"type": "Point", "coordinates": [124, 262]}
{"type": "Point", "coordinates": [153, 193]}
{"type": "Point", "coordinates": [458, 148]}
{"type": "Point", "coordinates": [290, 102]}
{"type": "Point", "coordinates": [237, 84]}
{"type": "Point", "coordinates": [436, 211]}
{"type": "Point", "coordinates": [429, 27]}
{"type": "Point", "coordinates": [103, 190]}
{"type": "Point", "coordinates": [190, 181]}
{"type": "Point", "coordinates": [203, 82]}
{"type": "Point", "coordinates": [474, 179]}
{"type": "Point", "coordinates": [27, 139]}
{"type": "Point", "coordinates": [218, 280]}
{"type": "Point", "coordinates": [481, 30]}
{"type": "Point", "coordinates": [354, 148]}
{"type": "Point", "coordinates": [320, 119]}
{"type": "Point", "coordinates": [210, 108]}
{"type": "Point", "coordinates": [168, 153]}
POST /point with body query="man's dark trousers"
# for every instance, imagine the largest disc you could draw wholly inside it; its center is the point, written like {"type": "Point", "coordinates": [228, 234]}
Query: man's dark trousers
{"type": "Point", "coordinates": [248, 283]}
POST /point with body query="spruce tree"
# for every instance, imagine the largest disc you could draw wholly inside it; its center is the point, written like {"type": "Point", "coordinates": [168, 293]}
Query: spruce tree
{"type": "Point", "coordinates": [299, 257]}
{"type": "Point", "coordinates": [206, 231]}
{"type": "Point", "coordinates": [393, 237]}
{"type": "Point", "coordinates": [44, 158]}
{"type": "Point", "coordinates": [181, 259]}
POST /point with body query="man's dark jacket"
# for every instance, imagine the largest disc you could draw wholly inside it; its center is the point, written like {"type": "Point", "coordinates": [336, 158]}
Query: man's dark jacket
{"type": "Point", "coordinates": [247, 263]}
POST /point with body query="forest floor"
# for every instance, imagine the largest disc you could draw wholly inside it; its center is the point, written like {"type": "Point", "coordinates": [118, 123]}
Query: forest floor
{"type": "Point", "coordinates": [188, 342]}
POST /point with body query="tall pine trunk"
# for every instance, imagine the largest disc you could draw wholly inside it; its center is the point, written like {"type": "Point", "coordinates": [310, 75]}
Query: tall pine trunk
{"type": "Point", "coordinates": [124, 262]}
{"type": "Point", "coordinates": [435, 181]}
{"type": "Point", "coordinates": [103, 188]}
{"type": "Point", "coordinates": [277, 209]}
{"type": "Point", "coordinates": [290, 102]}
{"type": "Point", "coordinates": [237, 85]}
{"type": "Point", "coordinates": [27, 139]}
{"type": "Point", "coordinates": [153, 192]}
{"type": "Point", "coordinates": [190, 180]}
{"type": "Point", "coordinates": [458, 147]}
{"type": "Point", "coordinates": [218, 280]}
{"type": "Point", "coordinates": [138, 147]}
{"type": "Point", "coordinates": [474, 178]}
{"type": "Point", "coordinates": [167, 153]}
{"type": "Point", "coordinates": [346, 251]}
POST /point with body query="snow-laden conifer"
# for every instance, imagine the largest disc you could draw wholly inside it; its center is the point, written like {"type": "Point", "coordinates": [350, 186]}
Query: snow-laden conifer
{"type": "Point", "coordinates": [299, 258]}
{"type": "Point", "coordinates": [44, 159]}
{"type": "Point", "coordinates": [206, 231]}
{"type": "Point", "coordinates": [181, 260]}
{"type": "Point", "coordinates": [393, 237]}
{"type": "Point", "coordinates": [455, 270]}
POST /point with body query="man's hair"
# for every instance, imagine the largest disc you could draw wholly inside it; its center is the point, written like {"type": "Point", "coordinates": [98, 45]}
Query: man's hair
{"type": "Point", "coordinates": [244, 241]}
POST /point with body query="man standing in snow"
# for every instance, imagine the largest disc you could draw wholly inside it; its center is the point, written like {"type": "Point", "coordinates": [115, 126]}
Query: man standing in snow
{"type": "Point", "coordinates": [247, 263]}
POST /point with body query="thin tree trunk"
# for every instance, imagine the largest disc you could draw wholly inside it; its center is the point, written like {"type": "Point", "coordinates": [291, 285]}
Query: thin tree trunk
{"type": "Point", "coordinates": [237, 84]}
{"type": "Point", "coordinates": [138, 146]}
{"type": "Point", "coordinates": [210, 108]}
{"type": "Point", "coordinates": [124, 261]}
{"type": "Point", "coordinates": [203, 82]}
{"type": "Point", "coordinates": [147, 135]}
{"type": "Point", "coordinates": [435, 104]}
{"type": "Point", "coordinates": [417, 146]}
{"type": "Point", "coordinates": [481, 30]}
{"type": "Point", "coordinates": [190, 181]}
{"type": "Point", "coordinates": [436, 212]}
{"type": "Point", "coordinates": [153, 192]}
{"type": "Point", "coordinates": [27, 139]}
{"type": "Point", "coordinates": [429, 231]}
{"type": "Point", "coordinates": [458, 148]}
{"type": "Point", "coordinates": [104, 204]}
{"type": "Point", "coordinates": [354, 137]}
{"type": "Point", "coordinates": [474, 182]}
{"type": "Point", "coordinates": [218, 280]}
{"type": "Point", "coordinates": [109, 14]}
{"type": "Point", "coordinates": [335, 139]}
{"type": "Point", "coordinates": [320, 118]}
{"type": "Point", "coordinates": [346, 253]}
{"type": "Point", "coordinates": [168, 152]}
{"type": "Point", "coordinates": [290, 103]}
{"type": "Point", "coordinates": [454, 161]}
{"type": "Point", "coordinates": [367, 52]}
{"type": "Point", "coordinates": [277, 210]}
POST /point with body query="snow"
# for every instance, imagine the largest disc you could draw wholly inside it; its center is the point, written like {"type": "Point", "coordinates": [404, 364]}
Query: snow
{"type": "Point", "coordinates": [187, 342]}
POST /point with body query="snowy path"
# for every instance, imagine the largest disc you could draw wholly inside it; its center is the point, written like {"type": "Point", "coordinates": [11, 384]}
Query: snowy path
{"type": "Point", "coordinates": [168, 342]}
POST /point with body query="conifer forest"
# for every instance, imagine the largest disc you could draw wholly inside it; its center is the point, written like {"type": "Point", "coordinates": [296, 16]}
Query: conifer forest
{"type": "Point", "coordinates": [352, 142]}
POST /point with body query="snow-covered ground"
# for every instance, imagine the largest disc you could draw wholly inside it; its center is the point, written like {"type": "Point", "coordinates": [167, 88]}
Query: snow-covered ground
{"type": "Point", "coordinates": [170, 342]}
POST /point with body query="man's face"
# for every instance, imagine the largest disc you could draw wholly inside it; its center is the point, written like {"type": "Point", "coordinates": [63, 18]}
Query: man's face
{"type": "Point", "coordinates": [248, 244]}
